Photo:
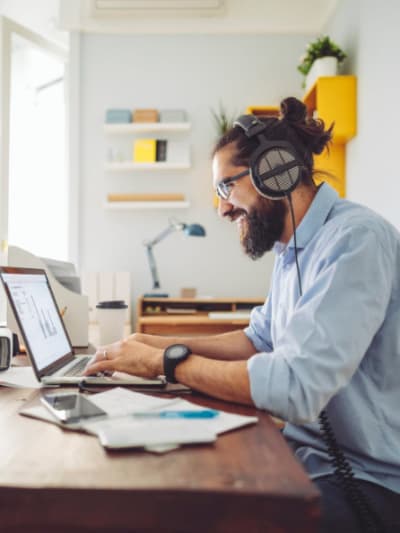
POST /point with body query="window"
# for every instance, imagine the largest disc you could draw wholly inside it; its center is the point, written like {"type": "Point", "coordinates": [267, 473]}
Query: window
{"type": "Point", "coordinates": [38, 188]}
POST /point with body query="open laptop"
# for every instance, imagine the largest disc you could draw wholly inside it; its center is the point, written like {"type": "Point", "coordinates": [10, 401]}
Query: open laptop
{"type": "Point", "coordinates": [46, 339]}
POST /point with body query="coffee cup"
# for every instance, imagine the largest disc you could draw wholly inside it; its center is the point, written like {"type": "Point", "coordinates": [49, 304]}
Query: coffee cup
{"type": "Point", "coordinates": [111, 319]}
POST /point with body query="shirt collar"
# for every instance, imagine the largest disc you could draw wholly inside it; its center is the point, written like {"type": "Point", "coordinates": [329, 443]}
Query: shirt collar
{"type": "Point", "coordinates": [314, 218]}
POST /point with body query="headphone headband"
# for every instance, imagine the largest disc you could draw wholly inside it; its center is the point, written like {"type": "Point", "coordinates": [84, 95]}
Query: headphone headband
{"type": "Point", "coordinates": [250, 124]}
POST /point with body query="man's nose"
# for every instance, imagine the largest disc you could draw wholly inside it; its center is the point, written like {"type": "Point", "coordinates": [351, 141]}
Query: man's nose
{"type": "Point", "coordinates": [224, 206]}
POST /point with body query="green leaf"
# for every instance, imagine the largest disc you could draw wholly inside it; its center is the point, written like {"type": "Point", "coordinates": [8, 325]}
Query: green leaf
{"type": "Point", "coordinates": [321, 47]}
{"type": "Point", "coordinates": [222, 120]}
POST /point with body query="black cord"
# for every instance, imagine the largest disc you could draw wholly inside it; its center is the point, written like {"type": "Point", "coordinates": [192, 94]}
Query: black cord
{"type": "Point", "coordinates": [370, 522]}
{"type": "Point", "coordinates": [289, 197]}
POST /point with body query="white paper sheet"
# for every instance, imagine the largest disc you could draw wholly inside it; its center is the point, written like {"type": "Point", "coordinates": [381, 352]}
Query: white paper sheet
{"type": "Point", "coordinates": [157, 435]}
{"type": "Point", "coordinates": [118, 402]}
{"type": "Point", "coordinates": [221, 423]}
{"type": "Point", "coordinates": [229, 315]}
{"type": "Point", "coordinates": [20, 377]}
{"type": "Point", "coordinates": [130, 432]}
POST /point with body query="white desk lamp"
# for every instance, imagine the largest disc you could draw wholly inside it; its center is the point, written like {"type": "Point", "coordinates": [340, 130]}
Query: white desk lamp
{"type": "Point", "coordinates": [193, 230]}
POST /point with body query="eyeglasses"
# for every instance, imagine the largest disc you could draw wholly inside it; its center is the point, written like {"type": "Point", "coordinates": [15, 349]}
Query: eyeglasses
{"type": "Point", "coordinates": [224, 187]}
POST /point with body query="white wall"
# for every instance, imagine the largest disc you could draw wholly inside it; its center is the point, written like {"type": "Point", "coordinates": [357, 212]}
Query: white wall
{"type": "Point", "coordinates": [194, 73]}
{"type": "Point", "coordinates": [235, 16]}
{"type": "Point", "coordinates": [40, 16]}
{"type": "Point", "coordinates": [369, 32]}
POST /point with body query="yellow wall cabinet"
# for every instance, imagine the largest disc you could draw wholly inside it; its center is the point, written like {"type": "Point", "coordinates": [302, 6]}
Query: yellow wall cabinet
{"type": "Point", "coordinates": [333, 99]}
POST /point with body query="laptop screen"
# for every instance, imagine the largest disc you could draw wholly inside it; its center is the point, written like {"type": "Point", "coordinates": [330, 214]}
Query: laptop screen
{"type": "Point", "coordinates": [38, 317]}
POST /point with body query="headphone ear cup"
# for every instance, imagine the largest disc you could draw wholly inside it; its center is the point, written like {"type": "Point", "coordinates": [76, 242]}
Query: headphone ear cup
{"type": "Point", "coordinates": [275, 170]}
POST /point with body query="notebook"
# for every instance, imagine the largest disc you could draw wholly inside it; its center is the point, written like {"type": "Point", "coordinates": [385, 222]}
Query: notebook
{"type": "Point", "coordinates": [41, 325]}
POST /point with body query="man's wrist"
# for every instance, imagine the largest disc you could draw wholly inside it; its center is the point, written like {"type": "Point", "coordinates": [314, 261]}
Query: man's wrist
{"type": "Point", "coordinates": [157, 363]}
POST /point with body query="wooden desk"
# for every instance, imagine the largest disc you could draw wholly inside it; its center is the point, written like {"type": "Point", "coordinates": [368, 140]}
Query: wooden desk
{"type": "Point", "coordinates": [190, 316]}
{"type": "Point", "coordinates": [58, 481]}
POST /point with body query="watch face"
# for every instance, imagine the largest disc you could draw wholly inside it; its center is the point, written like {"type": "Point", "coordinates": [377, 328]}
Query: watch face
{"type": "Point", "coordinates": [176, 351]}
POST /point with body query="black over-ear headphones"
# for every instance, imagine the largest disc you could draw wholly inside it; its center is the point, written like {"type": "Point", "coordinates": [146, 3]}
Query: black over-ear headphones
{"type": "Point", "coordinates": [275, 167]}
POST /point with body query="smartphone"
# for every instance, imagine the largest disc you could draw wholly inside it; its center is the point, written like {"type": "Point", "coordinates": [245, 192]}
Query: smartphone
{"type": "Point", "coordinates": [71, 407]}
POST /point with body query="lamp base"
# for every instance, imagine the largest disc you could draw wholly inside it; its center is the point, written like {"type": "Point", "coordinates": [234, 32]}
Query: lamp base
{"type": "Point", "coordinates": [155, 295]}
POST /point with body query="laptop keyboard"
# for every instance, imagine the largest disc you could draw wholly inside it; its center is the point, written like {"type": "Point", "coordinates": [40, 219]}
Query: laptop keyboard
{"type": "Point", "coordinates": [78, 367]}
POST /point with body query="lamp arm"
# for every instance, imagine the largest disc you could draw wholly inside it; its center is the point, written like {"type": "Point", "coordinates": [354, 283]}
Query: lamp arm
{"type": "Point", "coordinates": [160, 236]}
{"type": "Point", "coordinates": [153, 266]}
{"type": "Point", "coordinates": [174, 225]}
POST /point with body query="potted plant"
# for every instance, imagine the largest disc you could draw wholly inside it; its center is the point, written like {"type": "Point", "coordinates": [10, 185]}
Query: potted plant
{"type": "Point", "coordinates": [322, 58]}
{"type": "Point", "coordinates": [223, 121]}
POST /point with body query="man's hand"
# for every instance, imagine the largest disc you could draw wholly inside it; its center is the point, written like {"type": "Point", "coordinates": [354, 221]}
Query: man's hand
{"type": "Point", "coordinates": [157, 341]}
{"type": "Point", "coordinates": [128, 356]}
{"type": "Point", "coordinates": [227, 380]}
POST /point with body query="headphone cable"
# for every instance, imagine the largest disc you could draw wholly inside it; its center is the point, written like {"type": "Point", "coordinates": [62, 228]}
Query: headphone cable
{"type": "Point", "coordinates": [289, 197]}
{"type": "Point", "coordinates": [369, 519]}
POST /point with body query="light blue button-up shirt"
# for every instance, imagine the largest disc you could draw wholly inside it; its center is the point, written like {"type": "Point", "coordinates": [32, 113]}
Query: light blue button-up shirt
{"type": "Point", "coordinates": [337, 347]}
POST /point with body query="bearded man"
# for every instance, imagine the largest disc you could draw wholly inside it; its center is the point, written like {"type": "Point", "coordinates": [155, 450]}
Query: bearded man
{"type": "Point", "coordinates": [323, 352]}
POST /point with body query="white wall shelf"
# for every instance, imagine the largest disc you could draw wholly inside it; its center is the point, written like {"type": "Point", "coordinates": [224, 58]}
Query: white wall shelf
{"type": "Point", "coordinates": [146, 205]}
{"type": "Point", "coordinates": [151, 127]}
{"type": "Point", "coordinates": [177, 153]}
{"type": "Point", "coordinates": [127, 166]}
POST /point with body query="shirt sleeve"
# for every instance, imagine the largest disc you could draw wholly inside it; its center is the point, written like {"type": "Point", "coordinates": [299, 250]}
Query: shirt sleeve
{"type": "Point", "coordinates": [343, 305]}
{"type": "Point", "coordinates": [259, 329]}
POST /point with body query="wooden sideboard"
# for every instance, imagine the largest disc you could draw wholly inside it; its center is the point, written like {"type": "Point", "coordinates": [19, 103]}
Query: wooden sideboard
{"type": "Point", "coordinates": [193, 316]}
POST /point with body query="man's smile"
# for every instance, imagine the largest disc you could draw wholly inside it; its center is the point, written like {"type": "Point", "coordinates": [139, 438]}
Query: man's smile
{"type": "Point", "coordinates": [237, 215]}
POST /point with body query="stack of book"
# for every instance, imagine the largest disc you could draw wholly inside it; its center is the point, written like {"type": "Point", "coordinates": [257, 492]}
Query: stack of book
{"type": "Point", "coordinates": [172, 115]}
{"type": "Point", "coordinates": [145, 197]}
{"type": "Point", "coordinates": [145, 115]}
{"type": "Point", "coordinates": [118, 116]}
{"type": "Point", "coordinates": [123, 116]}
{"type": "Point", "coordinates": [152, 150]}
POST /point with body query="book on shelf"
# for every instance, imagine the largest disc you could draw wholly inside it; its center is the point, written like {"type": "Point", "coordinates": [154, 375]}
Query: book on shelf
{"type": "Point", "coordinates": [178, 152]}
{"type": "Point", "coordinates": [229, 315]}
{"type": "Point", "coordinates": [161, 150]}
{"type": "Point", "coordinates": [145, 197]}
{"type": "Point", "coordinates": [172, 115]}
{"type": "Point", "coordinates": [180, 310]}
{"type": "Point", "coordinates": [145, 115]}
{"type": "Point", "coordinates": [144, 150]}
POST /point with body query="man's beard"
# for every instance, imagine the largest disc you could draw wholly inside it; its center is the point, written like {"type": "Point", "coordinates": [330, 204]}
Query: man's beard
{"type": "Point", "coordinates": [263, 227]}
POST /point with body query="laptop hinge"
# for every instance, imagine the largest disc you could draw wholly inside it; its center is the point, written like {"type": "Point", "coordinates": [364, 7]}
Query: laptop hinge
{"type": "Point", "coordinates": [54, 367]}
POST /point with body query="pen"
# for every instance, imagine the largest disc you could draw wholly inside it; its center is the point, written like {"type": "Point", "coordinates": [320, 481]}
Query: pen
{"type": "Point", "coordinates": [204, 413]}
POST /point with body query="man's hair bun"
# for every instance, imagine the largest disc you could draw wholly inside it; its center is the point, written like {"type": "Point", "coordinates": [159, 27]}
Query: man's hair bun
{"type": "Point", "coordinates": [293, 110]}
{"type": "Point", "coordinates": [310, 131]}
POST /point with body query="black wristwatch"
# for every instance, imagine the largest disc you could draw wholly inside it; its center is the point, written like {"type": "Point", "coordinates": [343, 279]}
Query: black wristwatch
{"type": "Point", "coordinates": [173, 355]}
